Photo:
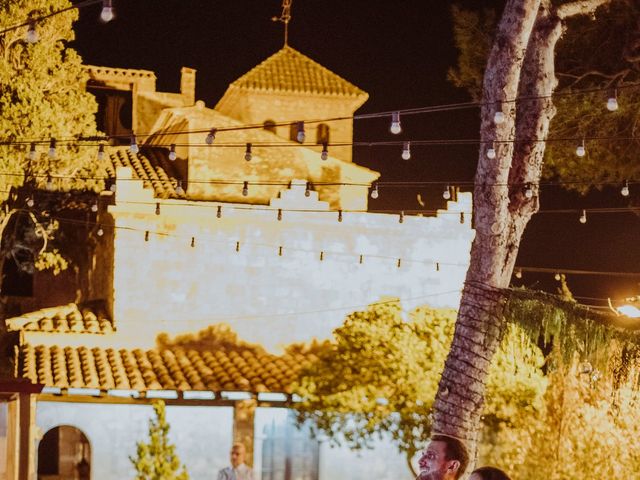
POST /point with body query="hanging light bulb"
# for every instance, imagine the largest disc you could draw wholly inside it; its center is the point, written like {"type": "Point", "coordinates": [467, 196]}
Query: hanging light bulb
{"type": "Point", "coordinates": [300, 136]}
{"type": "Point", "coordinates": [625, 189]}
{"type": "Point", "coordinates": [100, 231]}
{"type": "Point", "coordinates": [211, 136]}
{"type": "Point", "coordinates": [307, 189]}
{"type": "Point", "coordinates": [101, 152]}
{"type": "Point", "coordinates": [247, 153]}
{"type": "Point", "coordinates": [518, 273]}
{"type": "Point", "coordinates": [581, 150]}
{"type": "Point", "coordinates": [491, 152]}
{"type": "Point", "coordinates": [30, 202]}
{"type": "Point", "coordinates": [219, 212]}
{"type": "Point", "coordinates": [446, 194]}
{"type": "Point", "coordinates": [157, 208]}
{"type": "Point", "coordinates": [325, 151]}
{"type": "Point", "coordinates": [134, 145]}
{"type": "Point", "coordinates": [395, 126]}
{"type": "Point", "coordinates": [106, 15]}
{"type": "Point", "coordinates": [583, 217]}
{"type": "Point", "coordinates": [52, 148]}
{"type": "Point", "coordinates": [32, 34]}
{"type": "Point", "coordinates": [401, 217]}
{"type": "Point", "coordinates": [32, 151]}
{"type": "Point", "coordinates": [339, 215]}
{"type": "Point", "coordinates": [557, 277]}
{"type": "Point", "coordinates": [374, 192]}
{"type": "Point", "coordinates": [499, 117]}
{"type": "Point", "coordinates": [406, 151]}
{"type": "Point", "coordinates": [279, 214]}
{"type": "Point", "coordinates": [49, 185]}
{"type": "Point", "coordinates": [172, 152]}
{"type": "Point", "coordinates": [179, 189]}
{"type": "Point", "coordinates": [528, 191]}
{"type": "Point", "coordinates": [612, 102]}
{"type": "Point", "coordinates": [94, 207]}
{"type": "Point", "coordinates": [113, 187]}
{"type": "Point", "coordinates": [245, 189]}
{"type": "Point", "coordinates": [193, 242]}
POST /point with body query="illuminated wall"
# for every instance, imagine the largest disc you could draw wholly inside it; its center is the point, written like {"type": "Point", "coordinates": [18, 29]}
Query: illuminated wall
{"type": "Point", "coordinates": [274, 281]}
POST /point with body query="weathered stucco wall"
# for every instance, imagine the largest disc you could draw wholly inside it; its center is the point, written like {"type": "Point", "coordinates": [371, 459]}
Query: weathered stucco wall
{"type": "Point", "coordinates": [193, 269]}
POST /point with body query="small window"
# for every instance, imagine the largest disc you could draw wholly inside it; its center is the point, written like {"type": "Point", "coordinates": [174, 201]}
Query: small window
{"type": "Point", "coordinates": [269, 126]}
{"type": "Point", "coordinates": [322, 134]}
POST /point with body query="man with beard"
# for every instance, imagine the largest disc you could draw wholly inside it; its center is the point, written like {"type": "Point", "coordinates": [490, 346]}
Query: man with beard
{"type": "Point", "coordinates": [445, 458]}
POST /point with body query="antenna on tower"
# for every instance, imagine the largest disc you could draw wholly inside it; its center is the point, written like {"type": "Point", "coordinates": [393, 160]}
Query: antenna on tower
{"type": "Point", "coordinates": [285, 18]}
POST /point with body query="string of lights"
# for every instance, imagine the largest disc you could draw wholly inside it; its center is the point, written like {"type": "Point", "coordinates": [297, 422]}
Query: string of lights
{"type": "Point", "coordinates": [322, 254]}
{"type": "Point", "coordinates": [106, 15]}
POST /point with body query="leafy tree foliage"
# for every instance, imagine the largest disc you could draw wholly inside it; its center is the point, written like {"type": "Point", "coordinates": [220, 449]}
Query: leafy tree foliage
{"type": "Point", "coordinates": [157, 459]}
{"type": "Point", "coordinates": [601, 58]}
{"type": "Point", "coordinates": [380, 376]}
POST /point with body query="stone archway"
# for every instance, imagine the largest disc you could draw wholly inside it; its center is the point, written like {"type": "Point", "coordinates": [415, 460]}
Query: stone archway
{"type": "Point", "coordinates": [64, 453]}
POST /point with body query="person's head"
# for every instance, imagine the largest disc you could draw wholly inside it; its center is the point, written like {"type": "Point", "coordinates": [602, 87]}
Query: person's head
{"type": "Point", "coordinates": [238, 452]}
{"type": "Point", "coordinates": [488, 473]}
{"type": "Point", "coordinates": [445, 458]}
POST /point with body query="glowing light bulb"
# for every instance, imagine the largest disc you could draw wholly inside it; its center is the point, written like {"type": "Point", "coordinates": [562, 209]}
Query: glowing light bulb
{"type": "Point", "coordinates": [172, 152]}
{"type": "Point", "coordinates": [245, 189]}
{"type": "Point", "coordinates": [395, 126]}
{"type": "Point", "coordinates": [581, 150]}
{"type": "Point", "coordinates": [583, 217]}
{"type": "Point", "coordinates": [612, 104]}
{"type": "Point", "coordinates": [100, 231]}
{"type": "Point", "coordinates": [30, 202]}
{"type": "Point", "coordinates": [211, 136]}
{"type": "Point", "coordinates": [374, 192]}
{"type": "Point", "coordinates": [101, 152]}
{"type": "Point", "coordinates": [113, 188]}
{"type": "Point", "coordinates": [528, 191]}
{"type": "Point", "coordinates": [300, 136]}
{"type": "Point", "coordinates": [133, 147]}
{"type": "Point", "coordinates": [557, 277]}
{"type": "Point", "coordinates": [491, 152]}
{"type": "Point", "coordinates": [325, 151]}
{"type": "Point", "coordinates": [179, 189]}
{"type": "Point", "coordinates": [106, 15]}
{"type": "Point", "coordinates": [32, 34]}
{"type": "Point", "coordinates": [406, 151]}
{"type": "Point", "coordinates": [499, 117]}
{"type": "Point", "coordinates": [32, 151]}
{"type": "Point", "coordinates": [446, 194]}
{"type": "Point", "coordinates": [94, 207]}
{"type": "Point", "coordinates": [247, 153]}
{"type": "Point", "coordinates": [52, 148]}
{"type": "Point", "coordinates": [518, 273]}
{"type": "Point", "coordinates": [625, 189]}
{"type": "Point", "coordinates": [307, 190]}
{"type": "Point", "coordinates": [49, 185]}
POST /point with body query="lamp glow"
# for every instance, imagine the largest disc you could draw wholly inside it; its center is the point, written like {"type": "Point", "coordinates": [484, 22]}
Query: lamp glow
{"type": "Point", "coordinates": [581, 150]}
{"type": "Point", "coordinates": [528, 191]}
{"type": "Point", "coordinates": [172, 152]}
{"type": "Point", "coordinates": [211, 136]}
{"type": "Point", "coordinates": [491, 152]}
{"type": "Point", "coordinates": [446, 194]}
{"type": "Point", "coordinates": [32, 34]}
{"type": "Point", "coordinates": [406, 151]}
{"type": "Point", "coordinates": [101, 152]}
{"type": "Point", "coordinates": [625, 189]}
{"type": "Point", "coordinates": [179, 189]}
{"type": "Point", "coordinates": [395, 126]}
{"type": "Point", "coordinates": [374, 192]}
{"type": "Point", "coordinates": [612, 104]}
{"type": "Point", "coordinates": [106, 15]}
{"type": "Point", "coordinates": [300, 136]}
{"type": "Point", "coordinates": [133, 147]}
{"type": "Point", "coordinates": [325, 151]}
{"type": "Point", "coordinates": [583, 217]}
{"type": "Point", "coordinates": [499, 117]}
{"type": "Point", "coordinates": [52, 148]}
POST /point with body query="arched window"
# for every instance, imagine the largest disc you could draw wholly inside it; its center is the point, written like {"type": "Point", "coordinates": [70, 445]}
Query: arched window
{"type": "Point", "coordinates": [64, 452]}
{"type": "Point", "coordinates": [269, 126]}
{"type": "Point", "coordinates": [322, 134]}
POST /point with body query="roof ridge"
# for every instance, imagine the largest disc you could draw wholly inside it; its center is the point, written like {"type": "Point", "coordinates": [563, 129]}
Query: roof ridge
{"type": "Point", "coordinates": [290, 70]}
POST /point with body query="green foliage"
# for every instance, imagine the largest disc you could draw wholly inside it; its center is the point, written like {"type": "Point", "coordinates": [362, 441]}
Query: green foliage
{"type": "Point", "coordinates": [381, 373]}
{"type": "Point", "coordinates": [214, 337]}
{"type": "Point", "coordinates": [42, 95]}
{"type": "Point", "coordinates": [594, 55]}
{"type": "Point", "coordinates": [157, 459]}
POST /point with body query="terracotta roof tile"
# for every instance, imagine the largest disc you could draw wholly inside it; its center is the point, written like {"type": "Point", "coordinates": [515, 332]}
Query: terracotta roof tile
{"type": "Point", "coordinates": [71, 318]}
{"type": "Point", "coordinates": [290, 71]}
{"type": "Point", "coordinates": [172, 369]}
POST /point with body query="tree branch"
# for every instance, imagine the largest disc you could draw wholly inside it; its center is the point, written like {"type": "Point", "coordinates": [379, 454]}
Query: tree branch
{"type": "Point", "coordinates": [580, 7]}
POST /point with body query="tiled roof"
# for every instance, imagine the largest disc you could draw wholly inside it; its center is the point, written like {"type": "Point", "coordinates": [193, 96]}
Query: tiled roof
{"type": "Point", "coordinates": [151, 165]}
{"type": "Point", "coordinates": [71, 318]}
{"type": "Point", "coordinates": [290, 71]}
{"type": "Point", "coordinates": [170, 369]}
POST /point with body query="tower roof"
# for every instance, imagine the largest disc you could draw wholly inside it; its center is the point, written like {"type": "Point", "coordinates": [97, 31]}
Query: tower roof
{"type": "Point", "coordinates": [290, 71]}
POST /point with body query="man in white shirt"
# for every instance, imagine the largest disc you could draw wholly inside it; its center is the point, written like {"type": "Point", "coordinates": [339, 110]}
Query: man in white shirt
{"type": "Point", "coordinates": [238, 469]}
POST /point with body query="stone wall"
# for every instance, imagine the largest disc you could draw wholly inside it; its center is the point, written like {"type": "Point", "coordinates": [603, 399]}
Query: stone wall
{"type": "Point", "coordinates": [274, 281]}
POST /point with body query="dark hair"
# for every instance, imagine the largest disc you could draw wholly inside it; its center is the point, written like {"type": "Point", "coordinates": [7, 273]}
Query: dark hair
{"type": "Point", "coordinates": [491, 473]}
{"type": "Point", "coordinates": [455, 450]}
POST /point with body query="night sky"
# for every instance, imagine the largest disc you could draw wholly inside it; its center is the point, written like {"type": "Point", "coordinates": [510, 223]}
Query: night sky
{"type": "Point", "coordinates": [397, 51]}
